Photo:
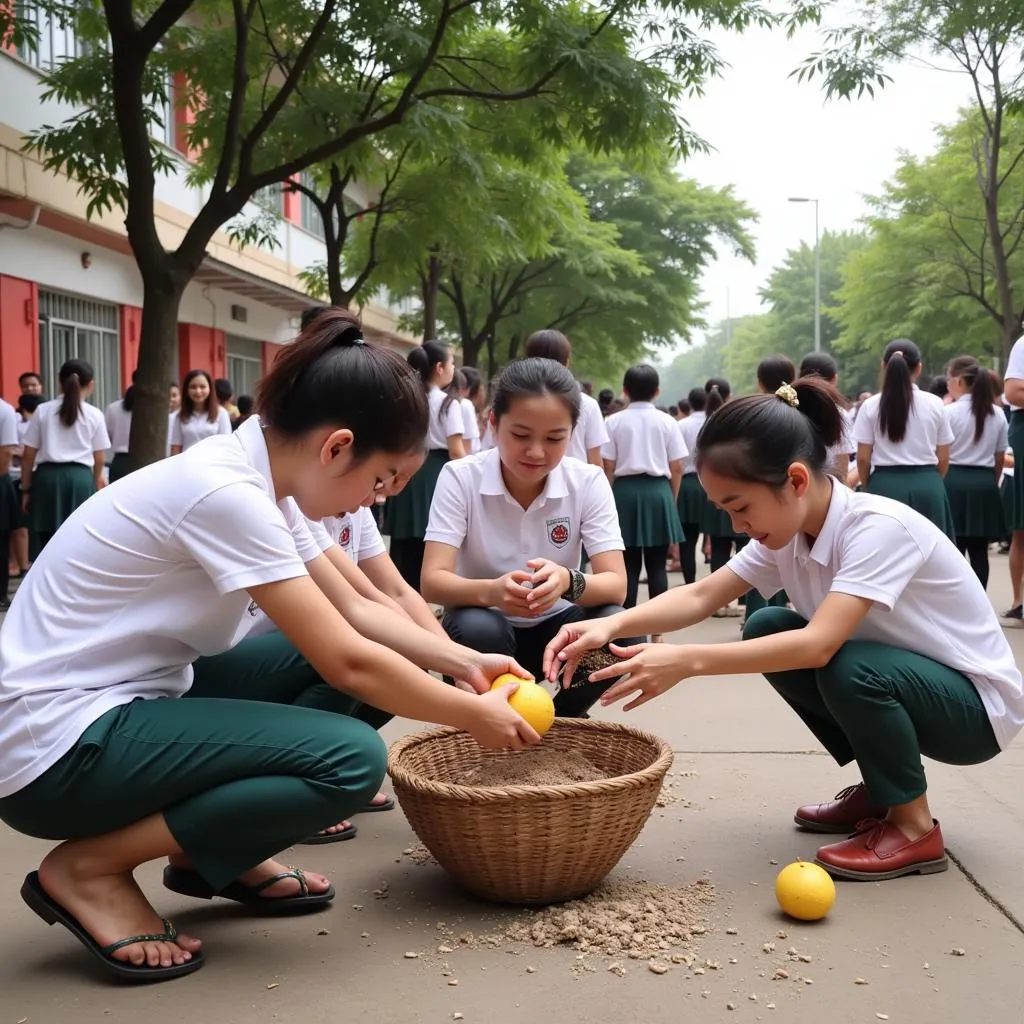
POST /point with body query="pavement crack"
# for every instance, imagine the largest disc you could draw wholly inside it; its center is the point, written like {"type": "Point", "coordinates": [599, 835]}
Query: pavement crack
{"type": "Point", "coordinates": [984, 893]}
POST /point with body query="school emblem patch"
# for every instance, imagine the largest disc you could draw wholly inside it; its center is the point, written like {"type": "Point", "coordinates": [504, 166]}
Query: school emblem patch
{"type": "Point", "coordinates": [558, 531]}
{"type": "Point", "coordinates": [254, 609]}
{"type": "Point", "coordinates": [346, 536]}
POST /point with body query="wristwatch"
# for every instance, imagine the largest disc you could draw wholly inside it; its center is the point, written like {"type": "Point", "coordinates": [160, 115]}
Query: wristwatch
{"type": "Point", "coordinates": [577, 584]}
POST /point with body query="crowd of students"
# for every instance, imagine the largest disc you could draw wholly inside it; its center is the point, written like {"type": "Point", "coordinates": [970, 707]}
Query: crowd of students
{"type": "Point", "coordinates": [199, 660]}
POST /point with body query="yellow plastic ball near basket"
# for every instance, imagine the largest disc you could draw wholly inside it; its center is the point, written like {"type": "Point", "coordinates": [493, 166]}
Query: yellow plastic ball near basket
{"type": "Point", "coordinates": [531, 701]}
{"type": "Point", "coordinates": [805, 891]}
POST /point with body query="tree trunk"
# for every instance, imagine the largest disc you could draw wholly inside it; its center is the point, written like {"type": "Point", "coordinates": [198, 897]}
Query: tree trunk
{"type": "Point", "coordinates": [431, 287]}
{"type": "Point", "coordinates": [156, 370]}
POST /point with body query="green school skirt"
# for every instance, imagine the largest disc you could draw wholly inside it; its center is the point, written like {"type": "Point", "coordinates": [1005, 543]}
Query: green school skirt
{"type": "Point", "coordinates": [1015, 517]}
{"type": "Point", "coordinates": [717, 523]}
{"type": "Point", "coordinates": [693, 502]}
{"type": "Point", "coordinates": [647, 514]}
{"type": "Point", "coordinates": [1006, 497]}
{"type": "Point", "coordinates": [975, 502]}
{"type": "Point", "coordinates": [920, 487]}
{"type": "Point", "coordinates": [58, 488]}
{"type": "Point", "coordinates": [10, 505]}
{"type": "Point", "coordinates": [120, 466]}
{"type": "Point", "coordinates": [406, 514]}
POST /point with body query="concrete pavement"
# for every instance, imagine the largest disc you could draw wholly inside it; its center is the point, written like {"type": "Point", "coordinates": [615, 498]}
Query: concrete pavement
{"type": "Point", "coordinates": [752, 763]}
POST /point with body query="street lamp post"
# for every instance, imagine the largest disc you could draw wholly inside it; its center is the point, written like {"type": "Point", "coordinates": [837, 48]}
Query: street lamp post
{"type": "Point", "coordinates": [817, 270]}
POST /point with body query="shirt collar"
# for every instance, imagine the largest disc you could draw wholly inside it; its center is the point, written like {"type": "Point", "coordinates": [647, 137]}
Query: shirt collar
{"type": "Point", "coordinates": [964, 398]}
{"type": "Point", "coordinates": [250, 435]}
{"type": "Point", "coordinates": [821, 549]}
{"type": "Point", "coordinates": [493, 482]}
{"type": "Point", "coordinates": [640, 405]}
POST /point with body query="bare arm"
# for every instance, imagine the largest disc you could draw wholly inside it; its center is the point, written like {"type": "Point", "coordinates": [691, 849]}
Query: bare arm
{"type": "Point", "coordinates": [942, 453]}
{"type": "Point", "coordinates": [6, 454]}
{"type": "Point", "coordinates": [1000, 463]}
{"type": "Point", "coordinates": [97, 467]}
{"type": "Point", "coordinates": [28, 461]}
{"type": "Point", "coordinates": [175, 449]}
{"type": "Point", "coordinates": [1013, 390]}
{"type": "Point", "coordinates": [359, 580]}
{"type": "Point", "coordinates": [440, 583]}
{"type": "Point", "coordinates": [609, 470]}
{"type": "Point", "coordinates": [367, 670]}
{"type": "Point", "coordinates": [864, 463]}
{"type": "Point", "coordinates": [383, 574]}
{"type": "Point", "coordinates": [456, 447]}
{"type": "Point", "coordinates": [594, 457]}
{"type": "Point", "coordinates": [676, 469]}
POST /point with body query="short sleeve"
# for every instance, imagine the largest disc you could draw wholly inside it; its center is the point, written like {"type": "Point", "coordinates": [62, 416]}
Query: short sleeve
{"type": "Point", "coordinates": [449, 512]}
{"type": "Point", "coordinates": [487, 441]}
{"type": "Point", "coordinates": [756, 565]}
{"type": "Point", "coordinates": [223, 421]}
{"type": "Point", "coordinates": [240, 538]}
{"type": "Point", "coordinates": [100, 437]}
{"type": "Point", "coordinates": [371, 543]}
{"type": "Point", "coordinates": [33, 432]}
{"type": "Point", "coordinates": [451, 419]}
{"type": "Point", "coordinates": [1015, 364]}
{"type": "Point", "coordinates": [470, 427]}
{"type": "Point", "coordinates": [108, 418]}
{"type": "Point", "coordinates": [847, 445]}
{"type": "Point", "coordinates": [1002, 437]}
{"type": "Point", "coordinates": [878, 556]}
{"type": "Point", "coordinates": [609, 450]}
{"type": "Point", "coordinates": [8, 426]}
{"type": "Point", "coordinates": [177, 437]}
{"type": "Point", "coordinates": [307, 546]}
{"type": "Point", "coordinates": [599, 519]}
{"type": "Point", "coordinates": [945, 435]}
{"type": "Point", "coordinates": [676, 442]}
{"type": "Point", "coordinates": [595, 434]}
{"type": "Point", "coordinates": [864, 427]}
{"type": "Point", "coordinates": [321, 537]}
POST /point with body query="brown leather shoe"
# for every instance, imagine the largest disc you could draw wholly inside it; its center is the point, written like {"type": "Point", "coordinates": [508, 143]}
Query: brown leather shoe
{"type": "Point", "coordinates": [879, 850]}
{"type": "Point", "coordinates": [840, 816]}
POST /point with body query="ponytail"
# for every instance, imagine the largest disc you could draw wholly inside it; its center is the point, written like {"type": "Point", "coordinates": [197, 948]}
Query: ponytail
{"type": "Point", "coordinates": [425, 357]}
{"type": "Point", "coordinates": [982, 386]}
{"type": "Point", "coordinates": [900, 358]}
{"type": "Point", "coordinates": [75, 375]}
{"type": "Point", "coordinates": [451, 393]}
{"type": "Point", "coordinates": [714, 402]}
{"type": "Point", "coordinates": [128, 402]}
{"type": "Point", "coordinates": [758, 437]}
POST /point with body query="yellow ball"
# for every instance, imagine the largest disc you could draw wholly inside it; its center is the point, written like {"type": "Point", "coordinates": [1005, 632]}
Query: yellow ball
{"type": "Point", "coordinates": [805, 891]}
{"type": "Point", "coordinates": [531, 700]}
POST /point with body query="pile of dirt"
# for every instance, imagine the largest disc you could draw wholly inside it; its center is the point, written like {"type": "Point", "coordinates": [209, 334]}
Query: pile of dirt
{"type": "Point", "coordinates": [592, 661]}
{"type": "Point", "coordinates": [539, 766]}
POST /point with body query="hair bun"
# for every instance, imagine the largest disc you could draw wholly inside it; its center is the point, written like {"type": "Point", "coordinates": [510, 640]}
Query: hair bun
{"type": "Point", "coordinates": [349, 337]}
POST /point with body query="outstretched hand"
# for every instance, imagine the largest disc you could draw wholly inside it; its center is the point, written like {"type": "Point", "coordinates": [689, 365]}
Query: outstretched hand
{"type": "Point", "coordinates": [647, 669]}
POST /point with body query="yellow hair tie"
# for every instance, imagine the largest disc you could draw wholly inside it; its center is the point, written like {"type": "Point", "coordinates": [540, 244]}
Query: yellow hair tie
{"type": "Point", "coordinates": [788, 394]}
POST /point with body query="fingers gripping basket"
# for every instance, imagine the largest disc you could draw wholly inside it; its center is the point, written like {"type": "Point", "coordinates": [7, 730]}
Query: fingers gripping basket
{"type": "Point", "coordinates": [530, 844]}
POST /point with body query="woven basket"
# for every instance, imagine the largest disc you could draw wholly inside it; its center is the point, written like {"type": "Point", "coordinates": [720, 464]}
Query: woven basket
{"type": "Point", "coordinates": [530, 844]}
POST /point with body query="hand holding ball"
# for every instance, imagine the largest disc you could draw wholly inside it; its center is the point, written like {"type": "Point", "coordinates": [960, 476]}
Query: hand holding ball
{"type": "Point", "coordinates": [531, 701]}
{"type": "Point", "coordinates": [805, 891]}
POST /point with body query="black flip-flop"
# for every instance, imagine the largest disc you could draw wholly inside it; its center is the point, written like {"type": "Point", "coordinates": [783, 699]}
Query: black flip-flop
{"type": "Point", "coordinates": [39, 901]}
{"type": "Point", "coordinates": [190, 883]}
{"type": "Point", "coordinates": [349, 832]}
{"type": "Point", "coordinates": [371, 808]}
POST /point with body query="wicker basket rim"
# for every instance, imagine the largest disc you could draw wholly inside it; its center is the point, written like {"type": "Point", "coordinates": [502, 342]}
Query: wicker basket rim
{"type": "Point", "coordinates": [489, 794]}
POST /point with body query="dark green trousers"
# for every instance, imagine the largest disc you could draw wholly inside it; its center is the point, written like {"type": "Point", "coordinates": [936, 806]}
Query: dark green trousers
{"type": "Point", "coordinates": [258, 755]}
{"type": "Point", "coordinates": [885, 707]}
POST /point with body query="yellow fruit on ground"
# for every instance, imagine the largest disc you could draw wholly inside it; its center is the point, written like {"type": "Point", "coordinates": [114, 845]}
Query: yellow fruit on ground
{"type": "Point", "coordinates": [805, 891]}
{"type": "Point", "coordinates": [531, 700]}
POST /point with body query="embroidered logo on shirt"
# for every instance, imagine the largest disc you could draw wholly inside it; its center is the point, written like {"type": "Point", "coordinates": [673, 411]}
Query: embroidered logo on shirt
{"type": "Point", "coordinates": [254, 609]}
{"type": "Point", "coordinates": [346, 536]}
{"type": "Point", "coordinates": [558, 531]}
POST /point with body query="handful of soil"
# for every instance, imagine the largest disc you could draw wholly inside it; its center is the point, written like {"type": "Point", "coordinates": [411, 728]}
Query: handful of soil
{"type": "Point", "coordinates": [592, 661]}
{"type": "Point", "coordinates": [541, 766]}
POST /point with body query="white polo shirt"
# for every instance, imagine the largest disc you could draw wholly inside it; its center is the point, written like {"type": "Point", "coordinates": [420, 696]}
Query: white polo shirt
{"type": "Point", "coordinates": [473, 512]}
{"type": "Point", "coordinates": [689, 428]}
{"type": "Point", "coordinates": [55, 442]}
{"type": "Point", "coordinates": [444, 424]}
{"type": "Point", "coordinates": [355, 533]}
{"type": "Point", "coordinates": [140, 581]}
{"type": "Point", "coordinates": [470, 427]}
{"type": "Point", "coordinates": [643, 440]}
{"type": "Point", "coordinates": [1015, 365]}
{"type": "Point", "coordinates": [927, 427]}
{"type": "Point", "coordinates": [926, 597]}
{"type": "Point", "coordinates": [198, 427]}
{"type": "Point", "coordinates": [10, 421]}
{"type": "Point", "coordinates": [589, 432]}
{"type": "Point", "coordinates": [119, 426]}
{"type": "Point", "coordinates": [965, 451]}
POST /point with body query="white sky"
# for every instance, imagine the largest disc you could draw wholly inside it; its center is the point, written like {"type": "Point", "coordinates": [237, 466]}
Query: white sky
{"type": "Point", "coordinates": [773, 138]}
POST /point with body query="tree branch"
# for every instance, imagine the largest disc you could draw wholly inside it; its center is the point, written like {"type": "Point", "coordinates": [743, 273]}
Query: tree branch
{"type": "Point", "coordinates": [161, 21]}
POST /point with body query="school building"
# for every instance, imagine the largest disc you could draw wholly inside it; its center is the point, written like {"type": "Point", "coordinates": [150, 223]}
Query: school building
{"type": "Point", "coordinates": [69, 286]}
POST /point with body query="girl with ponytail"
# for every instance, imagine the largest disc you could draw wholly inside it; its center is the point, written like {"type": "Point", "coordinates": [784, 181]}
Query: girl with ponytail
{"type": "Point", "coordinates": [892, 650]}
{"type": "Point", "coordinates": [118, 418]}
{"type": "Point", "coordinates": [137, 718]}
{"type": "Point", "coordinates": [903, 437]}
{"type": "Point", "coordinates": [976, 459]}
{"type": "Point", "coordinates": [406, 514]}
{"type": "Point", "coordinates": [65, 442]}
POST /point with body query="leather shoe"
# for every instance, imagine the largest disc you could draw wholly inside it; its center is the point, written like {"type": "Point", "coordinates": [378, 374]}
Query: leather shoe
{"type": "Point", "coordinates": [840, 815]}
{"type": "Point", "coordinates": [879, 850]}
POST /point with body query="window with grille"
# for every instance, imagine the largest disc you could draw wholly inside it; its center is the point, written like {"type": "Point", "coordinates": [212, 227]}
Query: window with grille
{"type": "Point", "coordinates": [245, 364]}
{"type": "Point", "coordinates": [271, 199]}
{"type": "Point", "coordinates": [56, 40]}
{"type": "Point", "coordinates": [310, 216]}
{"type": "Point", "coordinates": [71, 327]}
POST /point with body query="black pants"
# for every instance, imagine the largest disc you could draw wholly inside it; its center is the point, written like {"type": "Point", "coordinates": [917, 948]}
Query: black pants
{"type": "Point", "coordinates": [688, 551]}
{"type": "Point", "coordinates": [653, 559]}
{"type": "Point", "coordinates": [489, 632]}
{"type": "Point", "coordinates": [407, 554]}
{"type": "Point", "coordinates": [976, 550]}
